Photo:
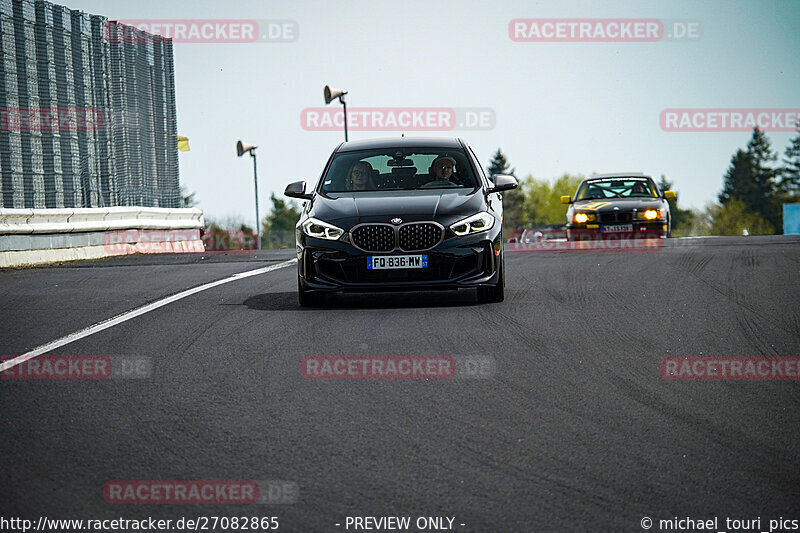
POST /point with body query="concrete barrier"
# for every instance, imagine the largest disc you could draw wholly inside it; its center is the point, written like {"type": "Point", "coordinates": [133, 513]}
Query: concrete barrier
{"type": "Point", "coordinates": [35, 236]}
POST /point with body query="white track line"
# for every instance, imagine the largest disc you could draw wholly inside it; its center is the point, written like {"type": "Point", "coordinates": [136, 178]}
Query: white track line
{"type": "Point", "coordinates": [124, 317]}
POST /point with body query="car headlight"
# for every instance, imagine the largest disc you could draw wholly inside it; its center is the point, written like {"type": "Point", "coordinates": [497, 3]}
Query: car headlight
{"type": "Point", "coordinates": [321, 230]}
{"type": "Point", "coordinates": [477, 223]}
{"type": "Point", "coordinates": [650, 214]}
{"type": "Point", "coordinates": [580, 218]}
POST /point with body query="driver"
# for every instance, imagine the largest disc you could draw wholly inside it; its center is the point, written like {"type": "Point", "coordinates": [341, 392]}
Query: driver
{"type": "Point", "coordinates": [360, 177]}
{"type": "Point", "coordinates": [442, 168]}
{"type": "Point", "coordinates": [640, 188]}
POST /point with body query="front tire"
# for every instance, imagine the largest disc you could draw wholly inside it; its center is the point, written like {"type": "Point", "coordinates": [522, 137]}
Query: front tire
{"type": "Point", "coordinates": [495, 293]}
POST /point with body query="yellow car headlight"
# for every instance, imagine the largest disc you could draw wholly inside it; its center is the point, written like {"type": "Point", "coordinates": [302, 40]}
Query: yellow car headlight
{"type": "Point", "coordinates": [581, 218]}
{"type": "Point", "coordinates": [649, 214]}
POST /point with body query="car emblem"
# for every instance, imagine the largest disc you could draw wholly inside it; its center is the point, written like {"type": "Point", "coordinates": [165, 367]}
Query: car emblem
{"type": "Point", "coordinates": [397, 220]}
{"type": "Point", "coordinates": [616, 209]}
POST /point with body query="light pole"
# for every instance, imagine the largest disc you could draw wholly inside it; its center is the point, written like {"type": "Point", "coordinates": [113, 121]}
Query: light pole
{"type": "Point", "coordinates": [241, 148]}
{"type": "Point", "coordinates": [330, 95]}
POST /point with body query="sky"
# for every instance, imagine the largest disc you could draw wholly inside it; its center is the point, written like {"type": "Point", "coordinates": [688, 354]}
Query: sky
{"type": "Point", "coordinates": [558, 107]}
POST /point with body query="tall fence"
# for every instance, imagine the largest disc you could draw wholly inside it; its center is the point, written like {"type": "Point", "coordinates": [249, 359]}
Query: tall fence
{"type": "Point", "coordinates": [85, 120]}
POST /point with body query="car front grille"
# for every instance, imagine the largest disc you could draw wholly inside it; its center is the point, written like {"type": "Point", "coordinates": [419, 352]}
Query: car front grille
{"type": "Point", "coordinates": [410, 237]}
{"type": "Point", "coordinates": [616, 216]}
{"type": "Point", "coordinates": [417, 237]}
{"type": "Point", "coordinates": [374, 237]}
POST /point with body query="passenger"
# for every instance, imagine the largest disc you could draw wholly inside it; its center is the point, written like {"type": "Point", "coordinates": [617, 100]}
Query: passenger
{"type": "Point", "coordinates": [442, 168]}
{"type": "Point", "coordinates": [360, 177]}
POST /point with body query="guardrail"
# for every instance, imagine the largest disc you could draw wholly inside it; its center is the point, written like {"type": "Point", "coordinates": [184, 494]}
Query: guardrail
{"type": "Point", "coordinates": [23, 221]}
{"type": "Point", "coordinates": [34, 236]}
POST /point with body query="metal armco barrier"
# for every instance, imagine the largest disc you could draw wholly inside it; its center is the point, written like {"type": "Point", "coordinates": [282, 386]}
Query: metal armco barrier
{"type": "Point", "coordinates": [35, 236]}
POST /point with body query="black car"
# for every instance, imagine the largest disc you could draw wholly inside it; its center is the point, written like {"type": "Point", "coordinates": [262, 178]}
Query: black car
{"type": "Point", "coordinates": [401, 214]}
{"type": "Point", "coordinates": [618, 205]}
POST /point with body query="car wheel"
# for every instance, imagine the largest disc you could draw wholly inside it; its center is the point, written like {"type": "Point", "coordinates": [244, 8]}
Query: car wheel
{"type": "Point", "coordinates": [309, 298]}
{"type": "Point", "coordinates": [495, 293]}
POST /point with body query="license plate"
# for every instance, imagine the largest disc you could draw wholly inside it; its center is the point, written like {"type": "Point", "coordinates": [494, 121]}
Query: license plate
{"type": "Point", "coordinates": [618, 227]}
{"type": "Point", "coordinates": [384, 262]}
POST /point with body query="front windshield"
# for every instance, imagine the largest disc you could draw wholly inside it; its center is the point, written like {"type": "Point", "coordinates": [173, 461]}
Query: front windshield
{"type": "Point", "coordinates": [617, 188]}
{"type": "Point", "coordinates": [399, 169]}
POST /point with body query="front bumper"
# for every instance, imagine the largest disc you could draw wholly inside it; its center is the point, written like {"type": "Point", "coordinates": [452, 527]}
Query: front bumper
{"type": "Point", "coordinates": [641, 230]}
{"type": "Point", "coordinates": [457, 262]}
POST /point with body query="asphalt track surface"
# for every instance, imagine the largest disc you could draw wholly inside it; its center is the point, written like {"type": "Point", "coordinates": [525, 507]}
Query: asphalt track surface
{"type": "Point", "coordinates": [575, 431]}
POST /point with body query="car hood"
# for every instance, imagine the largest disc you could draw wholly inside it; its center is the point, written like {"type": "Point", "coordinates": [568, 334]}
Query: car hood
{"type": "Point", "coordinates": [619, 204]}
{"type": "Point", "coordinates": [381, 206]}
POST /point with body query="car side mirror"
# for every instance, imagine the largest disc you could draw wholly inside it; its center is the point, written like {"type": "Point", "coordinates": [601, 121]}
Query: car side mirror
{"type": "Point", "coordinates": [297, 190]}
{"type": "Point", "coordinates": [566, 199]}
{"type": "Point", "coordinates": [669, 195]}
{"type": "Point", "coordinates": [502, 182]}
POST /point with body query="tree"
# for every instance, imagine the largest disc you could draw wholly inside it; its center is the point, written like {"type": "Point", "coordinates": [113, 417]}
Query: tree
{"type": "Point", "coordinates": [228, 233]}
{"type": "Point", "coordinates": [499, 164]}
{"type": "Point", "coordinates": [211, 225]}
{"type": "Point", "coordinates": [768, 202]}
{"type": "Point", "coordinates": [791, 172]}
{"type": "Point", "coordinates": [738, 182]}
{"type": "Point", "coordinates": [513, 200]}
{"type": "Point", "coordinates": [543, 201]}
{"type": "Point", "coordinates": [761, 150]}
{"type": "Point", "coordinates": [681, 218]}
{"type": "Point", "coordinates": [695, 223]}
{"type": "Point", "coordinates": [753, 179]}
{"type": "Point", "coordinates": [513, 211]}
{"type": "Point", "coordinates": [277, 229]}
{"type": "Point", "coordinates": [187, 198]}
{"type": "Point", "coordinates": [733, 218]}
